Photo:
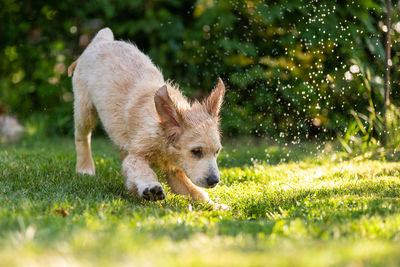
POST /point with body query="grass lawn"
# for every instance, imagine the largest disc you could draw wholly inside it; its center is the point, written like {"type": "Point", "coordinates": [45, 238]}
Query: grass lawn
{"type": "Point", "coordinates": [291, 206]}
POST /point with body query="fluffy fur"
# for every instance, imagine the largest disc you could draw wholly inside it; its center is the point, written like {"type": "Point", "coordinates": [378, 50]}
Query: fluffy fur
{"type": "Point", "coordinates": [149, 120]}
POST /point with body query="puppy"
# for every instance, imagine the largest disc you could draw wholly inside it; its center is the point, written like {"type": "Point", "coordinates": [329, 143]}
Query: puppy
{"type": "Point", "coordinates": [149, 120]}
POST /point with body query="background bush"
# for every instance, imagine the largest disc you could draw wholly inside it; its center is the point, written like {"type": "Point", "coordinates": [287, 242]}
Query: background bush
{"type": "Point", "coordinates": [285, 62]}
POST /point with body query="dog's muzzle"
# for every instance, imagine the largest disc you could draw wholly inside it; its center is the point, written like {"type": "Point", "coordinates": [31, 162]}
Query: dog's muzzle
{"type": "Point", "coordinates": [212, 180]}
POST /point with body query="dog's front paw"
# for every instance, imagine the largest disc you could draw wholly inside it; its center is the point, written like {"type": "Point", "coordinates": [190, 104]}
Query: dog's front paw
{"type": "Point", "coordinates": [153, 193]}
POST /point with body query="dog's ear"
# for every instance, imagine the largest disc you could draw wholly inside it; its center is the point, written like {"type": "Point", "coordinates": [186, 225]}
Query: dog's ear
{"type": "Point", "coordinates": [214, 101]}
{"type": "Point", "coordinates": [170, 117]}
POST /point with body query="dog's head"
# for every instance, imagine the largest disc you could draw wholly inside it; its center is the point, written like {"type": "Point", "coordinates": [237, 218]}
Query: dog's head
{"type": "Point", "coordinates": [192, 133]}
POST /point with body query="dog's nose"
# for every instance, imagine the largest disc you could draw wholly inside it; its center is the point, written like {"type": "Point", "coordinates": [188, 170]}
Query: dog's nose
{"type": "Point", "coordinates": [212, 180]}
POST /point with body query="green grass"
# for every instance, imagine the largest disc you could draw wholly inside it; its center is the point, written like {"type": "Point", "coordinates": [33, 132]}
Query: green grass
{"type": "Point", "coordinates": [290, 206]}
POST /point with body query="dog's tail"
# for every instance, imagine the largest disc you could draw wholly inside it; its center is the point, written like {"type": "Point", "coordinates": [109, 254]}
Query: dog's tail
{"type": "Point", "coordinates": [104, 35]}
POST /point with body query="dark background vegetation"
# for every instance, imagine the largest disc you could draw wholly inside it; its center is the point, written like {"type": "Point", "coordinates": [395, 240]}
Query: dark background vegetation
{"type": "Point", "coordinates": [284, 62]}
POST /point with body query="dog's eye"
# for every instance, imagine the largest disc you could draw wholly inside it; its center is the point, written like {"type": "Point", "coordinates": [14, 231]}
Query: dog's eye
{"type": "Point", "coordinates": [197, 152]}
{"type": "Point", "coordinates": [216, 152]}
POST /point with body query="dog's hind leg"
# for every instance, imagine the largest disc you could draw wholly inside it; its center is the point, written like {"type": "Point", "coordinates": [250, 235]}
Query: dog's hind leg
{"type": "Point", "coordinates": [140, 178]}
{"type": "Point", "coordinates": [180, 184]}
{"type": "Point", "coordinates": [85, 117]}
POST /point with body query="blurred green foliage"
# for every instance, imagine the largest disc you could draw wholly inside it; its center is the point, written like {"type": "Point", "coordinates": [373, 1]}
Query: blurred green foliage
{"type": "Point", "coordinates": [293, 68]}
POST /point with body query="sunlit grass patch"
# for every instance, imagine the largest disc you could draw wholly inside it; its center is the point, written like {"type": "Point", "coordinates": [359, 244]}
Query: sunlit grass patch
{"type": "Point", "coordinates": [300, 211]}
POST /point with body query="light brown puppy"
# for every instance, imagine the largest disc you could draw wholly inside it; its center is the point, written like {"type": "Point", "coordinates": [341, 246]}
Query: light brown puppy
{"type": "Point", "coordinates": [149, 120]}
